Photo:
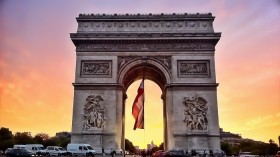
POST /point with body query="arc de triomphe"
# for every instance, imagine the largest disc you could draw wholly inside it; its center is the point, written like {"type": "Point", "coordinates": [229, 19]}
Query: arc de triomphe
{"type": "Point", "coordinates": [176, 51]}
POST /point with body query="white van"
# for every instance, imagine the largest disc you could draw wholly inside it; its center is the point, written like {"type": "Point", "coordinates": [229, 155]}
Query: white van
{"type": "Point", "coordinates": [80, 149]}
{"type": "Point", "coordinates": [55, 151]}
{"type": "Point", "coordinates": [19, 146]}
{"type": "Point", "coordinates": [36, 148]}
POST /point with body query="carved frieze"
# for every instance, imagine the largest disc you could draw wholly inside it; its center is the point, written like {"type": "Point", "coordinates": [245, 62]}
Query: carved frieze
{"type": "Point", "coordinates": [165, 61]}
{"type": "Point", "coordinates": [146, 47]}
{"type": "Point", "coordinates": [193, 68]}
{"type": "Point", "coordinates": [195, 114]}
{"type": "Point", "coordinates": [96, 68]}
{"type": "Point", "coordinates": [197, 26]}
{"type": "Point", "coordinates": [124, 60]}
{"type": "Point", "coordinates": [94, 118]}
{"type": "Point", "coordinates": [147, 25]}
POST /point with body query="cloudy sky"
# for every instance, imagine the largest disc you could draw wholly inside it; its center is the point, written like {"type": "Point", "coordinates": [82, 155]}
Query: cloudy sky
{"type": "Point", "coordinates": [37, 64]}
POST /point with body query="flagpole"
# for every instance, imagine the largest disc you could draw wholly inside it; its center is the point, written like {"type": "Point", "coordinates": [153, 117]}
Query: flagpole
{"type": "Point", "coordinates": [144, 110]}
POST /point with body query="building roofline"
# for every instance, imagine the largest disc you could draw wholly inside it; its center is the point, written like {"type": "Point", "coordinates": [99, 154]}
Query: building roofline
{"type": "Point", "coordinates": [145, 16]}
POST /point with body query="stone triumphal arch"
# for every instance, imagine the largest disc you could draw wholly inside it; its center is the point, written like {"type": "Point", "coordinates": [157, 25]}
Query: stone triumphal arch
{"type": "Point", "coordinates": [176, 51]}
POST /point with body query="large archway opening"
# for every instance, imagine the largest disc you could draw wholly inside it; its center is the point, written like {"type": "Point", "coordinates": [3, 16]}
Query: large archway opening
{"type": "Point", "coordinates": [153, 115]}
{"type": "Point", "coordinates": [155, 109]}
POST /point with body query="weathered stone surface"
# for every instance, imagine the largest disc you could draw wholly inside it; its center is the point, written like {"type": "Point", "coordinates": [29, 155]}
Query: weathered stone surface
{"type": "Point", "coordinates": [176, 51]}
{"type": "Point", "coordinates": [146, 23]}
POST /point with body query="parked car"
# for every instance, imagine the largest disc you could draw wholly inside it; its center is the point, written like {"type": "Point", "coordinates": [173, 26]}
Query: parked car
{"type": "Point", "coordinates": [80, 149]}
{"type": "Point", "coordinates": [19, 146]}
{"type": "Point", "coordinates": [38, 149]}
{"type": "Point", "coordinates": [7, 150]}
{"type": "Point", "coordinates": [277, 154]}
{"type": "Point", "coordinates": [20, 152]}
{"type": "Point", "coordinates": [55, 151]}
{"type": "Point", "coordinates": [247, 154]}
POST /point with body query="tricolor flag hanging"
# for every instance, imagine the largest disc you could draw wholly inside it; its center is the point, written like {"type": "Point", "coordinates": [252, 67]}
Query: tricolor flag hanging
{"type": "Point", "coordinates": [138, 108]}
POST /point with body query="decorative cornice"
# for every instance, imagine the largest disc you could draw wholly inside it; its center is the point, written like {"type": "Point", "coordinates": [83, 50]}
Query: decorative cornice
{"type": "Point", "coordinates": [145, 45]}
{"type": "Point", "coordinates": [90, 86]}
{"type": "Point", "coordinates": [194, 84]}
{"type": "Point", "coordinates": [144, 35]}
{"type": "Point", "coordinates": [191, 87]}
{"type": "Point", "coordinates": [150, 15]}
{"type": "Point", "coordinates": [145, 32]}
{"type": "Point", "coordinates": [146, 23]}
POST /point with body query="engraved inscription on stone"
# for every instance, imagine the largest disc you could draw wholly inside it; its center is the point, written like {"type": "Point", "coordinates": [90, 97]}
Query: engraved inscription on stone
{"type": "Point", "coordinates": [195, 114]}
{"type": "Point", "coordinates": [93, 113]}
{"type": "Point", "coordinates": [96, 68]}
{"type": "Point", "coordinates": [190, 68]}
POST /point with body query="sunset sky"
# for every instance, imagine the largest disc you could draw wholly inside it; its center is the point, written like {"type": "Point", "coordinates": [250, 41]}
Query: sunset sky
{"type": "Point", "coordinates": [37, 64]}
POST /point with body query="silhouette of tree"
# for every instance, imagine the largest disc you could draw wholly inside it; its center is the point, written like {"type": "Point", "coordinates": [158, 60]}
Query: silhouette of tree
{"type": "Point", "coordinates": [272, 147]}
{"type": "Point", "coordinates": [5, 134]}
{"type": "Point", "coordinates": [258, 148]}
{"type": "Point", "coordinates": [23, 138]}
{"type": "Point", "coordinates": [40, 138]}
{"type": "Point", "coordinates": [226, 148]}
{"type": "Point", "coordinates": [161, 146]}
{"type": "Point", "coordinates": [63, 141]}
{"type": "Point", "coordinates": [156, 148]}
{"type": "Point", "coordinates": [271, 141]}
{"type": "Point", "coordinates": [129, 146]}
{"type": "Point", "coordinates": [279, 140]}
{"type": "Point", "coordinates": [53, 141]}
{"type": "Point", "coordinates": [6, 138]}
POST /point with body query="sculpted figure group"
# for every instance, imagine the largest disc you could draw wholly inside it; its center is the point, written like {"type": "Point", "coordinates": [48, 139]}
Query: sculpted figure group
{"type": "Point", "coordinates": [93, 113]}
{"type": "Point", "coordinates": [195, 113]}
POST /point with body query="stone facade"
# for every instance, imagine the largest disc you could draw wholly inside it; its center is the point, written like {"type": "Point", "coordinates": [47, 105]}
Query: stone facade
{"type": "Point", "coordinates": [176, 51]}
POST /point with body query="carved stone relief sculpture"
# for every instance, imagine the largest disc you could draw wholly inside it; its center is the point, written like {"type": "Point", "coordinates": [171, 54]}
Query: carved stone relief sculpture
{"type": "Point", "coordinates": [193, 68]}
{"type": "Point", "coordinates": [165, 61]}
{"type": "Point", "coordinates": [94, 118]}
{"type": "Point", "coordinates": [96, 68]}
{"type": "Point", "coordinates": [195, 114]}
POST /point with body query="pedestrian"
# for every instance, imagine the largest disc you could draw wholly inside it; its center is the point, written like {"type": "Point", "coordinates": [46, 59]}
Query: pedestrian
{"type": "Point", "coordinates": [103, 152]}
{"type": "Point", "coordinates": [113, 152]}
{"type": "Point", "coordinates": [211, 153]}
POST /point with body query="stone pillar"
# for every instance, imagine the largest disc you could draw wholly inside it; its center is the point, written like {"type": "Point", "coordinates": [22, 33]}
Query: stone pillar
{"type": "Point", "coordinates": [192, 104]}
{"type": "Point", "coordinates": [123, 122]}
{"type": "Point", "coordinates": [169, 119]}
{"type": "Point", "coordinates": [83, 131]}
{"type": "Point", "coordinates": [98, 103]}
{"type": "Point", "coordinates": [165, 126]}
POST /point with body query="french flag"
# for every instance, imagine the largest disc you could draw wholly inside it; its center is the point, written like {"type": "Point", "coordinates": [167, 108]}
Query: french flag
{"type": "Point", "coordinates": [138, 108]}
